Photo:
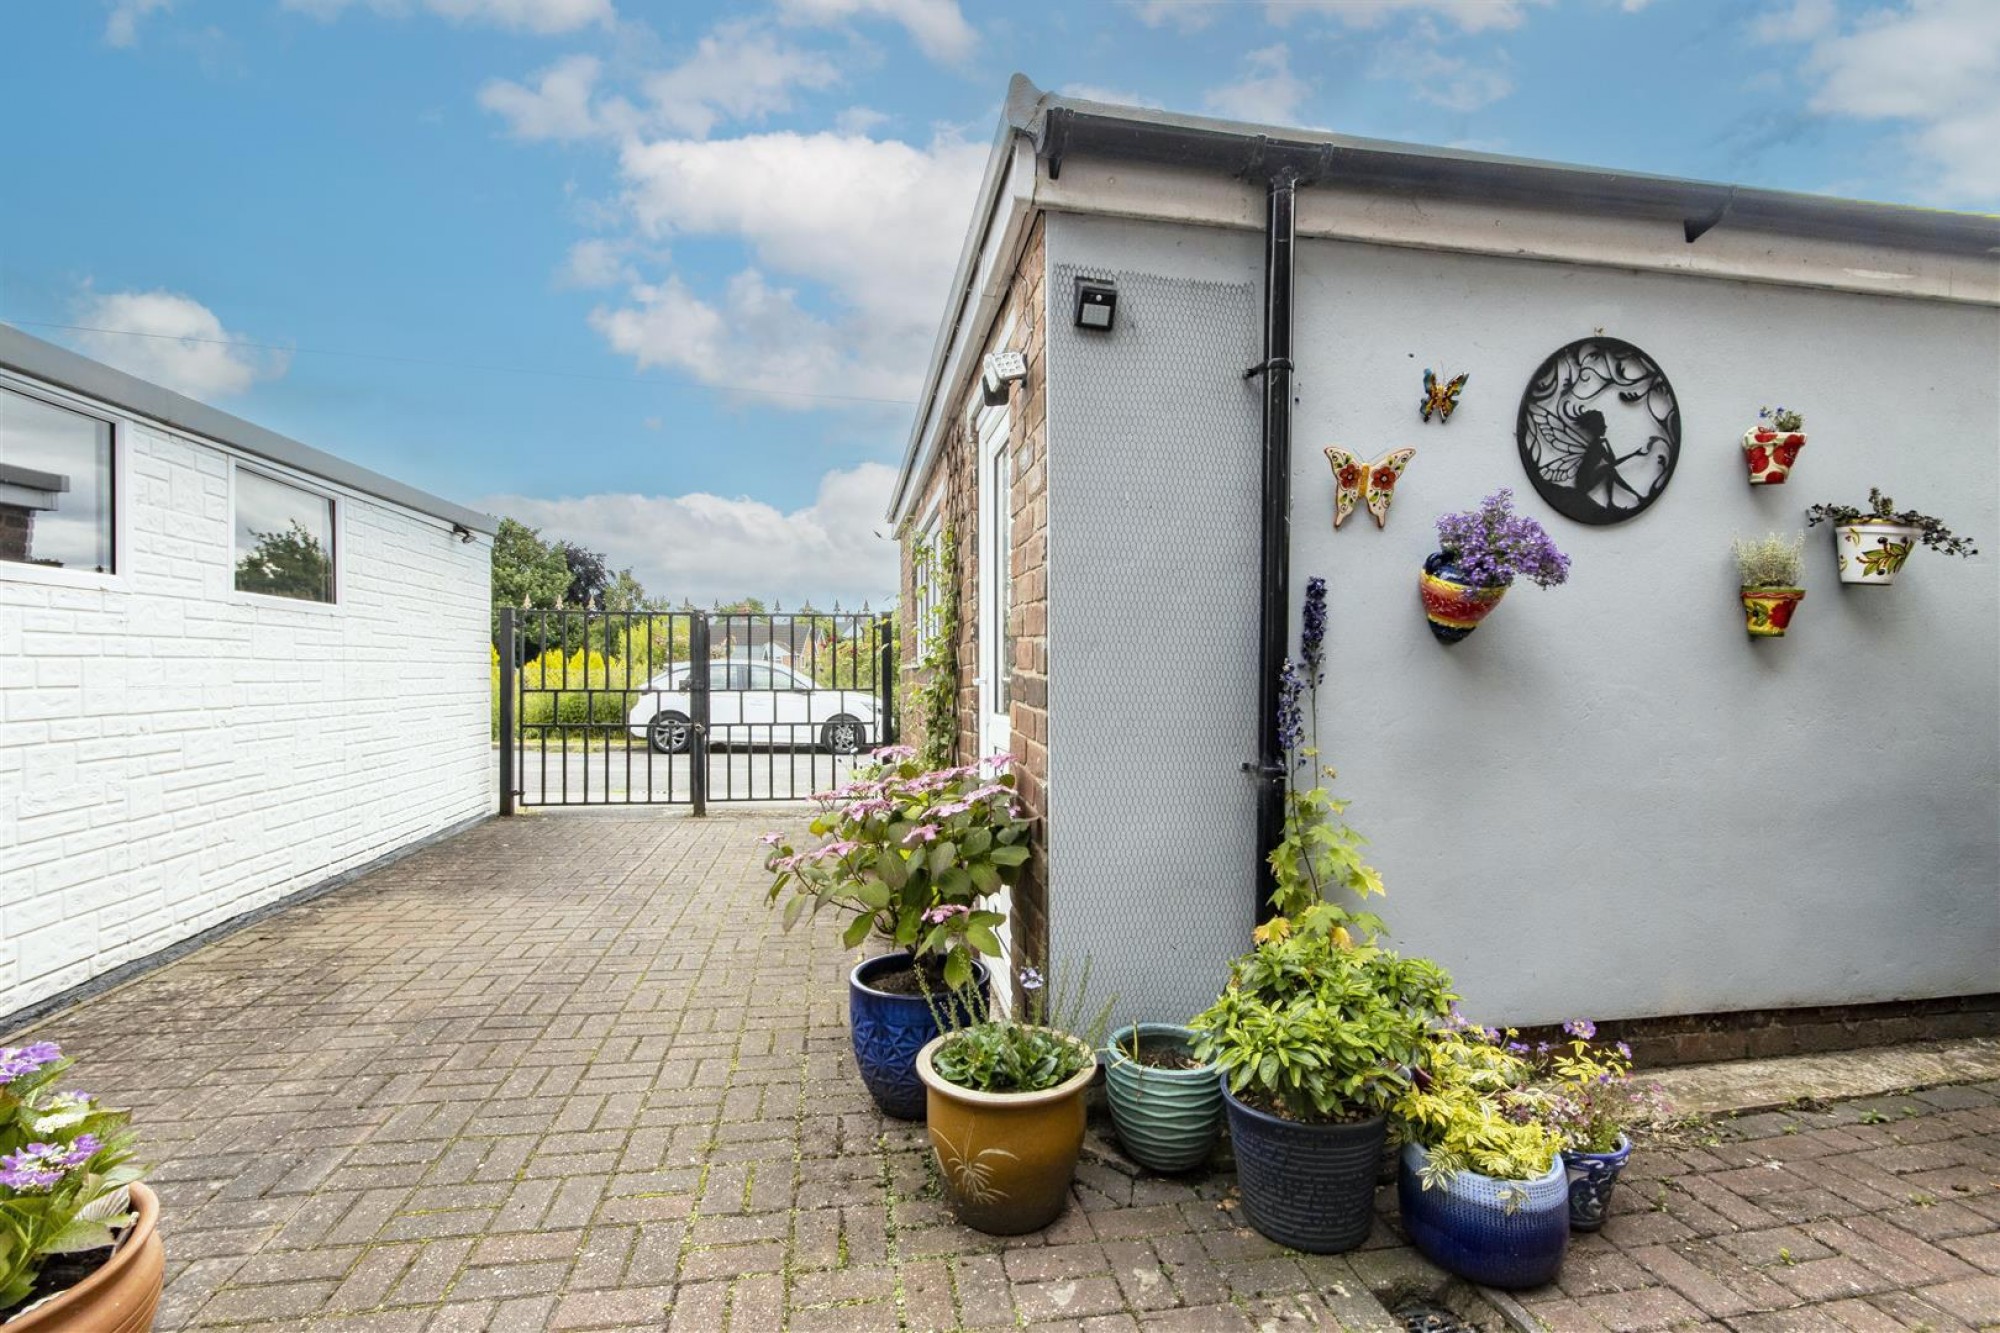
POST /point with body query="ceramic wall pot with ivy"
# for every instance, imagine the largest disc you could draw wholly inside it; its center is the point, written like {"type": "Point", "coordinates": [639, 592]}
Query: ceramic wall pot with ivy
{"type": "Point", "coordinates": [122, 1295]}
{"type": "Point", "coordinates": [1006, 1158]}
{"type": "Point", "coordinates": [1769, 454]}
{"type": "Point", "coordinates": [1165, 1104]}
{"type": "Point", "coordinates": [1453, 605]}
{"type": "Point", "coordinates": [889, 1028]}
{"type": "Point", "coordinates": [1509, 1234]}
{"type": "Point", "coordinates": [1591, 1176]}
{"type": "Point", "coordinates": [1869, 553]}
{"type": "Point", "coordinates": [1767, 612]}
{"type": "Point", "coordinates": [1308, 1186]}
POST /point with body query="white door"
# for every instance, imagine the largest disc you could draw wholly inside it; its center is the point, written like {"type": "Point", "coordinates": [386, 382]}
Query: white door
{"type": "Point", "coordinates": [996, 563]}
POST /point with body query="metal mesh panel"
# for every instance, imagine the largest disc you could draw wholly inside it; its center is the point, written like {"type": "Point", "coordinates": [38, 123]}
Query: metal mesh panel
{"type": "Point", "coordinates": [1155, 473]}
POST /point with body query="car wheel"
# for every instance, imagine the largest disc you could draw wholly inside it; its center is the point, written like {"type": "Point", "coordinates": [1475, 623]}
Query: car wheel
{"type": "Point", "coordinates": [842, 735]}
{"type": "Point", "coordinates": [669, 733]}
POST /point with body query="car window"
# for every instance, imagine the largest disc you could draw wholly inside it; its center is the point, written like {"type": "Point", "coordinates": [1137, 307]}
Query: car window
{"type": "Point", "coordinates": [763, 678]}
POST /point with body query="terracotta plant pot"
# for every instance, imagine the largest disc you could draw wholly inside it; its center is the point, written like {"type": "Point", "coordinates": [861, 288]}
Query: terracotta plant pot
{"type": "Point", "coordinates": [1453, 606]}
{"type": "Point", "coordinates": [1768, 611]}
{"type": "Point", "coordinates": [120, 1297]}
{"type": "Point", "coordinates": [1167, 1119]}
{"type": "Point", "coordinates": [1769, 454]}
{"type": "Point", "coordinates": [1869, 552]}
{"type": "Point", "coordinates": [1006, 1158]}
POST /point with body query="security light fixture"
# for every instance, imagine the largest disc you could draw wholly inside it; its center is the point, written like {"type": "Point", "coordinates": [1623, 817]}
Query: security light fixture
{"type": "Point", "coordinates": [1000, 370]}
{"type": "Point", "coordinates": [463, 533]}
{"type": "Point", "coordinates": [1096, 303]}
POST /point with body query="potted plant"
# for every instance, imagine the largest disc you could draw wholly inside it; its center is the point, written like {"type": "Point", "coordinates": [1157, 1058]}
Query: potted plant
{"type": "Point", "coordinates": [1769, 569]}
{"type": "Point", "coordinates": [1483, 1188]}
{"type": "Point", "coordinates": [1870, 545]}
{"type": "Point", "coordinates": [1591, 1099]}
{"type": "Point", "coordinates": [1772, 445]}
{"type": "Point", "coordinates": [1005, 1110]}
{"type": "Point", "coordinates": [79, 1241]}
{"type": "Point", "coordinates": [1314, 1039]}
{"type": "Point", "coordinates": [913, 854]}
{"type": "Point", "coordinates": [1480, 554]}
{"type": "Point", "coordinates": [1166, 1103]}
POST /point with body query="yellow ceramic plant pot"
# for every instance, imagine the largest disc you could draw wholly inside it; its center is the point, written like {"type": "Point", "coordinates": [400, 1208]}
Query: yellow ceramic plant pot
{"type": "Point", "coordinates": [1007, 1158]}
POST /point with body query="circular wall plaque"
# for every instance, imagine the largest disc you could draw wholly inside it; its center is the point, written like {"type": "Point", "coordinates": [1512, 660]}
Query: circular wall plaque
{"type": "Point", "coordinates": [1599, 430]}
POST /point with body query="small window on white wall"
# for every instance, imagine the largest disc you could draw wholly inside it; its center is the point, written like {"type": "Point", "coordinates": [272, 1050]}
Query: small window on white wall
{"type": "Point", "coordinates": [284, 539]}
{"type": "Point", "coordinates": [55, 486]}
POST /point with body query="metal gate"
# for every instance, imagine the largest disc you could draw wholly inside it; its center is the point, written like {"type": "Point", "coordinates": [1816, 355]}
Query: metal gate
{"type": "Point", "coordinates": [687, 707]}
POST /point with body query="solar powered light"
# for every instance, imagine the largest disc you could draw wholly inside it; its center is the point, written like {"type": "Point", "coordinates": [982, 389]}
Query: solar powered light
{"type": "Point", "coordinates": [1096, 303]}
{"type": "Point", "coordinates": [1000, 370]}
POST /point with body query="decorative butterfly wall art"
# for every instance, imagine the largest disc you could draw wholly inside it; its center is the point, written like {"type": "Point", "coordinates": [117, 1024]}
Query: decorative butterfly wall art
{"type": "Point", "coordinates": [1441, 396]}
{"type": "Point", "coordinates": [1354, 479]}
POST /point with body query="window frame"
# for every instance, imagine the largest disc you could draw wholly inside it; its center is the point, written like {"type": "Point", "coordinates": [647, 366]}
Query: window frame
{"type": "Point", "coordinates": [336, 525]}
{"type": "Point", "coordinates": [923, 578]}
{"type": "Point", "coordinates": [119, 579]}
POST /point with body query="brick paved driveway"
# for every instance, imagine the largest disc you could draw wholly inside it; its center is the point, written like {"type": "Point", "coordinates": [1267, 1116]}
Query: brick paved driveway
{"type": "Point", "coordinates": [565, 1072]}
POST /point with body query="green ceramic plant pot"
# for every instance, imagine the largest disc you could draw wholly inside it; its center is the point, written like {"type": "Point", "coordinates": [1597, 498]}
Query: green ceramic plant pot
{"type": "Point", "coordinates": [1167, 1119]}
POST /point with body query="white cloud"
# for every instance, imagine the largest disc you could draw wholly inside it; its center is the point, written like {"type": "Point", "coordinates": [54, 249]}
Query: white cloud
{"type": "Point", "coordinates": [1269, 93]}
{"type": "Point", "coordinates": [1470, 15]}
{"type": "Point", "coordinates": [737, 71]}
{"type": "Point", "coordinates": [937, 26]}
{"type": "Point", "coordinates": [122, 27]}
{"type": "Point", "coordinates": [1091, 92]}
{"type": "Point", "coordinates": [537, 16]}
{"type": "Point", "coordinates": [557, 107]}
{"type": "Point", "coordinates": [1181, 15]}
{"type": "Point", "coordinates": [705, 546]}
{"type": "Point", "coordinates": [1800, 21]}
{"type": "Point", "coordinates": [175, 341]}
{"type": "Point", "coordinates": [597, 262]}
{"type": "Point", "coordinates": [1452, 82]}
{"type": "Point", "coordinates": [1932, 65]}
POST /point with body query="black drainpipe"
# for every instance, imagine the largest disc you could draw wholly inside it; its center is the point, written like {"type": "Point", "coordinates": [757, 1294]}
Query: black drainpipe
{"type": "Point", "coordinates": [1274, 614]}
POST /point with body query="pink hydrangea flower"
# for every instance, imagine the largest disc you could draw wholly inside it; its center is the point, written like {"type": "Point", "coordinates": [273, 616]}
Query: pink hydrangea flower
{"type": "Point", "coordinates": [921, 833]}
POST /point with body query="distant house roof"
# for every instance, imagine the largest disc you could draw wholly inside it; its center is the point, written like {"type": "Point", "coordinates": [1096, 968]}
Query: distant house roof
{"type": "Point", "coordinates": [44, 361]}
{"type": "Point", "coordinates": [1051, 128]}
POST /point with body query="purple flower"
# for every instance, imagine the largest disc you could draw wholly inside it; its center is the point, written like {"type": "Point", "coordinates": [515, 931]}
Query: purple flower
{"type": "Point", "coordinates": [1624, 1050]}
{"type": "Point", "coordinates": [1312, 637]}
{"type": "Point", "coordinates": [17, 1061]}
{"type": "Point", "coordinates": [1492, 545]}
{"type": "Point", "coordinates": [41, 1166]}
{"type": "Point", "coordinates": [1291, 717]}
{"type": "Point", "coordinates": [921, 833]}
{"type": "Point", "coordinates": [1581, 1028]}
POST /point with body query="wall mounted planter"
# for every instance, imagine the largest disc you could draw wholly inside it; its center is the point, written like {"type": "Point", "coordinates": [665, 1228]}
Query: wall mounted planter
{"type": "Point", "coordinates": [1453, 606]}
{"type": "Point", "coordinates": [1311, 1187]}
{"type": "Point", "coordinates": [1502, 1233]}
{"type": "Point", "coordinates": [1167, 1119]}
{"type": "Point", "coordinates": [1006, 1158]}
{"type": "Point", "coordinates": [1591, 1176]}
{"type": "Point", "coordinates": [889, 1029]}
{"type": "Point", "coordinates": [1767, 612]}
{"type": "Point", "coordinates": [1870, 553]}
{"type": "Point", "coordinates": [1769, 454]}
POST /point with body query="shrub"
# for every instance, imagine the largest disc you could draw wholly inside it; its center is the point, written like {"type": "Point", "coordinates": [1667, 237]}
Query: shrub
{"type": "Point", "coordinates": [1771, 562]}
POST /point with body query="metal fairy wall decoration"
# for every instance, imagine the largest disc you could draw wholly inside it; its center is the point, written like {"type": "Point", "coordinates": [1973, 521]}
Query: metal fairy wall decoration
{"type": "Point", "coordinates": [1599, 430]}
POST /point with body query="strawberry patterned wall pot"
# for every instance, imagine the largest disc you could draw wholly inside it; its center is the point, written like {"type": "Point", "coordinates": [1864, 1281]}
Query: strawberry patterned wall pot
{"type": "Point", "coordinates": [1768, 611]}
{"type": "Point", "coordinates": [1771, 453]}
{"type": "Point", "coordinates": [1870, 553]}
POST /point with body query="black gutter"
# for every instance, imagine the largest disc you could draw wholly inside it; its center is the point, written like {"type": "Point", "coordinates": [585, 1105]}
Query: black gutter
{"type": "Point", "coordinates": [1275, 557]}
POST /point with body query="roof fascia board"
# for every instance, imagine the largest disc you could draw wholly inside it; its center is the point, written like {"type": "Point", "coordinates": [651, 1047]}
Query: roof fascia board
{"type": "Point", "coordinates": [34, 359]}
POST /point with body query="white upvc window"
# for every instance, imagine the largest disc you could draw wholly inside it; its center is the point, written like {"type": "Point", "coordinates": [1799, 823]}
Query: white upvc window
{"type": "Point", "coordinates": [285, 537]}
{"type": "Point", "coordinates": [61, 491]}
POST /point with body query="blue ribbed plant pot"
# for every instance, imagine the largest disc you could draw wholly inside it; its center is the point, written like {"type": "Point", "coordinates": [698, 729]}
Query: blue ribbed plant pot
{"type": "Point", "coordinates": [888, 1031]}
{"type": "Point", "coordinates": [1311, 1187]}
{"type": "Point", "coordinates": [1167, 1119]}
{"type": "Point", "coordinates": [1591, 1176]}
{"type": "Point", "coordinates": [1465, 1225]}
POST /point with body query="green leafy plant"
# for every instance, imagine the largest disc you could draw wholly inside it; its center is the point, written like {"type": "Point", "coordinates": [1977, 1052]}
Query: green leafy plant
{"type": "Point", "coordinates": [1881, 509]}
{"type": "Point", "coordinates": [1316, 1031]}
{"type": "Point", "coordinates": [1468, 1103]}
{"type": "Point", "coordinates": [65, 1171]}
{"type": "Point", "coordinates": [1774, 561]}
{"type": "Point", "coordinates": [1044, 1046]}
{"type": "Point", "coordinates": [912, 852]}
{"type": "Point", "coordinates": [1585, 1088]}
{"type": "Point", "coordinates": [932, 697]}
{"type": "Point", "coordinates": [1782, 418]}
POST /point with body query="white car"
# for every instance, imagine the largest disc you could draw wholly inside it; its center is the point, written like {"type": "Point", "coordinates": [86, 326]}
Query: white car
{"type": "Point", "coordinates": [756, 703]}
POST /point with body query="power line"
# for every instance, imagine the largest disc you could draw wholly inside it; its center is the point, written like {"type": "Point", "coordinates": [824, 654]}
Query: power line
{"type": "Point", "coordinates": [456, 365]}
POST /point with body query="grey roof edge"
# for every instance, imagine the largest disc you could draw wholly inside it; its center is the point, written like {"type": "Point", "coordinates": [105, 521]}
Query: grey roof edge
{"type": "Point", "coordinates": [37, 359]}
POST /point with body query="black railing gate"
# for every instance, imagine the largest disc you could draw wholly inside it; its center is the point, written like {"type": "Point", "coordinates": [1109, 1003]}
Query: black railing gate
{"type": "Point", "coordinates": [687, 707]}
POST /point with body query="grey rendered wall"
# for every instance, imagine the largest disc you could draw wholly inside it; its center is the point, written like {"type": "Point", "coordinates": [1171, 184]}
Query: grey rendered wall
{"type": "Point", "coordinates": [1153, 457]}
{"type": "Point", "coordinates": [1608, 800]}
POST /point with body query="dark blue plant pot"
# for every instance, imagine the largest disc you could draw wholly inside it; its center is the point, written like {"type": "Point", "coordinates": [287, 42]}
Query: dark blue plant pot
{"type": "Point", "coordinates": [1500, 1233]}
{"type": "Point", "coordinates": [888, 1031]}
{"type": "Point", "coordinates": [1591, 1176]}
{"type": "Point", "coordinates": [1311, 1187]}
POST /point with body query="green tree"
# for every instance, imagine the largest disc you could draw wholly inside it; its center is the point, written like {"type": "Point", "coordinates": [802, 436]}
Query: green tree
{"type": "Point", "coordinates": [527, 572]}
{"type": "Point", "coordinates": [291, 563]}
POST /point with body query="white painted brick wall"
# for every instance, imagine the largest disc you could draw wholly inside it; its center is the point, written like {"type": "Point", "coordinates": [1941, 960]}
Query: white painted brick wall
{"type": "Point", "coordinates": [173, 754]}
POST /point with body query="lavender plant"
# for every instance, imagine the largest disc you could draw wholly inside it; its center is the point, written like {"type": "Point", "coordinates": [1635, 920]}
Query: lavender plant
{"type": "Point", "coordinates": [65, 1172]}
{"type": "Point", "coordinates": [1492, 545]}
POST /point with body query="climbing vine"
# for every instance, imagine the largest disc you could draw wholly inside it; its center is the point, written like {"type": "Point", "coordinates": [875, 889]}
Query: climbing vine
{"type": "Point", "coordinates": [934, 696]}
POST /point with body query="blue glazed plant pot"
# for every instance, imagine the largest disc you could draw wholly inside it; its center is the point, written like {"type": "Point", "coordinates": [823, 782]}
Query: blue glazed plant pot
{"type": "Point", "coordinates": [1311, 1187]}
{"type": "Point", "coordinates": [889, 1029]}
{"type": "Point", "coordinates": [1167, 1119]}
{"type": "Point", "coordinates": [1591, 1176]}
{"type": "Point", "coordinates": [1501, 1233]}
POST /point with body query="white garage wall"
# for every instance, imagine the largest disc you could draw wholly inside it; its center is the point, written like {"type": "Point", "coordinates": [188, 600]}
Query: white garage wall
{"type": "Point", "coordinates": [174, 754]}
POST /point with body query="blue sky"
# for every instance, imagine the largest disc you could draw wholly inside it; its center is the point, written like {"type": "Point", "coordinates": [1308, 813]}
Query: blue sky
{"type": "Point", "coordinates": [662, 277]}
